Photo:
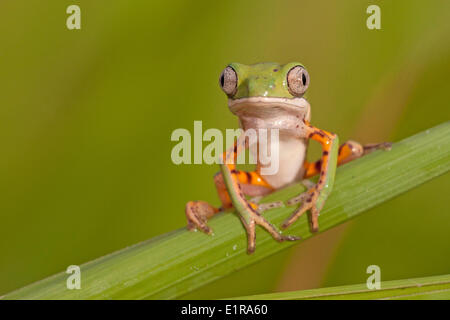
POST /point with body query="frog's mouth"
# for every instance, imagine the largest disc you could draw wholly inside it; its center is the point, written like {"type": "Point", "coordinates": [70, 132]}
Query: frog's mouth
{"type": "Point", "coordinates": [269, 106]}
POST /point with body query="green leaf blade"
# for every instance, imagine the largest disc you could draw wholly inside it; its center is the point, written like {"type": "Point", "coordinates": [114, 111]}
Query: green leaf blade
{"type": "Point", "coordinates": [176, 263]}
{"type": "Point", "coordinates": [436, 287]}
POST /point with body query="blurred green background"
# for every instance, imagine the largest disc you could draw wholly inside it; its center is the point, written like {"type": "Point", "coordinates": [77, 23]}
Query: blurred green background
{"type": "Point", "coordinates": [86, 117]}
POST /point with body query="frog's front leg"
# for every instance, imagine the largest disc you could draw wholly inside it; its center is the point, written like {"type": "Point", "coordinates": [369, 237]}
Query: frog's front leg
{"type": "Point", "coordinates": [315, 197]}
{"type": "Point", "coordinates": [252, 184]}
{"type": "Point", "coordinates": [247, 211]}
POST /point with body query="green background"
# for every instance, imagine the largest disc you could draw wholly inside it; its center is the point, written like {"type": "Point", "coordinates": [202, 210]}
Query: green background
{"type": "Point", "coordinates": [86, 118]}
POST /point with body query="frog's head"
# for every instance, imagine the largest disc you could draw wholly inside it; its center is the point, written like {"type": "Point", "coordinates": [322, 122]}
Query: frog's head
{"type": "Point", "coordinates": [266, 88]}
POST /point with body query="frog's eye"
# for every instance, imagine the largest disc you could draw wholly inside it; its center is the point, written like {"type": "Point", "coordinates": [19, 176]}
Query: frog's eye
{"type": "Point", "coordinates": [228, 81]}
{"type": "Point", "coordinates": [298, 81]}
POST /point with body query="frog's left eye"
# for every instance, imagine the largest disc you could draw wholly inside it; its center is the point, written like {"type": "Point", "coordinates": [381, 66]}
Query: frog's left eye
{"type": "Point", "coordinates": [298, 81]}
{"type": "Point", "coordinates": [228, 81]}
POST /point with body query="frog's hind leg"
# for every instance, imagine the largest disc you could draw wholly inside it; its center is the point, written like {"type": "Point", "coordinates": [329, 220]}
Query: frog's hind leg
{"type": "Point", "coordinates": [368, 148]}
{"type": "Point", "coordinates": [348, 151]}
{"type": "Point", "coordinates": [352, 150]}
{"type": "Point", "coordinates": [198, 212]}
{"type": "Point", "coordinates": [254, 186]}
{"type": "Point", "coordinates": [251, 182]}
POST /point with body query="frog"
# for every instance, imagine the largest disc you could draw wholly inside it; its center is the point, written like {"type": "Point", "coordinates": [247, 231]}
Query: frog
{"type": "Point", "coordinates": [273, 96]}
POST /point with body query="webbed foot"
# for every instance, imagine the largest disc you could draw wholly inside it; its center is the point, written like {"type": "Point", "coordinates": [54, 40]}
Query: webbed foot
{"type": "Point", "coordinates": [197, 214]}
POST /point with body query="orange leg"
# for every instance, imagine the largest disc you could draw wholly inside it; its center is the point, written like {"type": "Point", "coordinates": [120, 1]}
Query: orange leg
{"type": "Point", "coordinates": [348, 151]}
{"type": "Point", "coordinates": [252, 184]}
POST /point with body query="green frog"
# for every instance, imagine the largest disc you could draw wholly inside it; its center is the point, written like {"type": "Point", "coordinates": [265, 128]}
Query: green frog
{"type": "Point", "coordinates": [272, 96]}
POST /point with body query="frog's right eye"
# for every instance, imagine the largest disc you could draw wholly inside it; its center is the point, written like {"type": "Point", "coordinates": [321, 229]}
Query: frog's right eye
{"type": "Point", "coordinates": [228, 81]}
{"type": "Point", "coordinates": [298, 81]}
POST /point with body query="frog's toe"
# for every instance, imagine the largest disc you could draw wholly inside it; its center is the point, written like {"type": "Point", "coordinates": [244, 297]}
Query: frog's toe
{"type": "Point", "coordinates": [308, 200]}
{"type": "Point", "coordinates": [291, 238]}
{"type": "Point", "coordinates": [368, 148]}
{"type": "Point", "coordinates": [311, 186]}
{"type": "Point", "coordinates": [297, 199]}
{"type": "Point", "coordinates": [313, 218]}
{"type": "Point", "coordinates": [256, 199]}
{"type": "Point", "coordinates": [271, 205]}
